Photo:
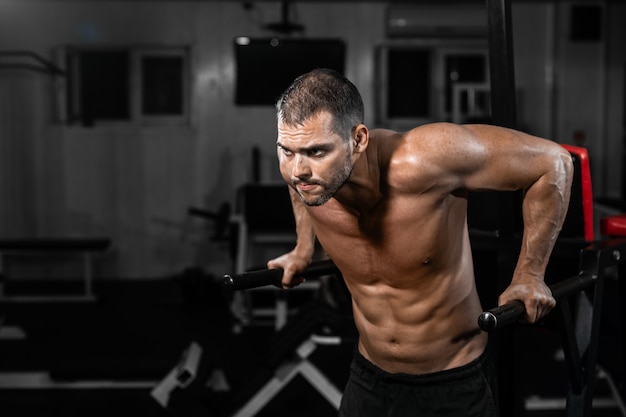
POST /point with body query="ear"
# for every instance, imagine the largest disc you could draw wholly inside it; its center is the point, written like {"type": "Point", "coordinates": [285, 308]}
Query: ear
{"type": "Point", "coordinates": [360, 138]}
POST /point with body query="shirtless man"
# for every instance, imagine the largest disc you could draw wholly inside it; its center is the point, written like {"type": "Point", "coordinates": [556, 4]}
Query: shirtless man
{"type": "Point", "coordinates": [389, 208]}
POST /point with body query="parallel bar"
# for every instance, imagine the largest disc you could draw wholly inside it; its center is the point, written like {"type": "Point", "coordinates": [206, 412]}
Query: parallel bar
{"type": "Point", "coordinates": [511, 312]}
{"type": "Point", "coordinates": [265, 277]}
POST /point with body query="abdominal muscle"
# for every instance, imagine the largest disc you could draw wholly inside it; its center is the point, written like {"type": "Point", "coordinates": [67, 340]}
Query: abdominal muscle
{"type": "Point", "coordinates": [401, 333]}
{"type": "Point", "coordinates": [414, 315]}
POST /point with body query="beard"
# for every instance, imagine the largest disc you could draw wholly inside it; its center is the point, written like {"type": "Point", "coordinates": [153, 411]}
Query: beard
{"type": "Point", "coordinates": [329, 189]}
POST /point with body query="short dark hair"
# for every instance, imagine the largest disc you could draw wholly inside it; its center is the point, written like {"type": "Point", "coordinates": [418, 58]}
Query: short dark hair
{"type": "Point", "coordinates": [322, 90]}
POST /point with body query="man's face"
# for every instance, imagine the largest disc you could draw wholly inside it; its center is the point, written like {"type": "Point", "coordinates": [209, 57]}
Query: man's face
{"type": "Point", "coordinates": [313, 159]}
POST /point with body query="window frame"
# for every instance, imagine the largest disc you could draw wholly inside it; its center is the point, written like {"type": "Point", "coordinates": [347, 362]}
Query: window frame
{"type": "Point", "coordinates": [439, 49]}
{"type": "Point", "coordinates": [67, 57]}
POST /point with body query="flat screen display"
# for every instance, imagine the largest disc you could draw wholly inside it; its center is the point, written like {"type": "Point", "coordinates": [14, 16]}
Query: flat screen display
{"type": "Point", "coordinates": [266, 66]}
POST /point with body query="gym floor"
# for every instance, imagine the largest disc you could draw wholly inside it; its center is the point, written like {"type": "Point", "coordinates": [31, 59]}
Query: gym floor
{"type": "Point", "coordinates": [104, 357]}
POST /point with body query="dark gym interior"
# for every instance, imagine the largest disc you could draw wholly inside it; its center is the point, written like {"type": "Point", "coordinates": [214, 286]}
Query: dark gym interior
{"type": "Point", "coordinates": [138, 168]}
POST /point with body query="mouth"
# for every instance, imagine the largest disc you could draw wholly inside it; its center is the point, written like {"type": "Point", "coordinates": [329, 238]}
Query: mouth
{"type": "Point", "coordinates": [302, 186]}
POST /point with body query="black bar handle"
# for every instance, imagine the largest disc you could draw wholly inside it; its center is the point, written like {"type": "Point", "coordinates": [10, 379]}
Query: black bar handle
{"type": "Point", "coordinates": [509, 313]}
{"type": "Point", "coordinates": [501, 316]}
{"type": "Point", "coordinates": [265, 277]}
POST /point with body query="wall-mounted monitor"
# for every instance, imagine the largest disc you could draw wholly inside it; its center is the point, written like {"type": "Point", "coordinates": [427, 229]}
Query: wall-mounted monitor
{"type": "Point", "coordinates": [266, 66]}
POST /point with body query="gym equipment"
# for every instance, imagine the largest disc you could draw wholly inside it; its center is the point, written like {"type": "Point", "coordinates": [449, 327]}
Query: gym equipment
{"type": "Point", "coordinates": [612, 227]}
{"type": "Point", "coordinates": [512, 312]}
{"type": "Point", "coordinates": [85, 248]}
{"type": "Point", "coordinates": [500, 212]}
{"type": "Point", "coordinates": [580, 321]}
{"type": "Point", "coordinates": [265, 277]}
{"type": "Point", "coordinates": [314, 326]}
{"type": "Point", "coordinates": [221, 219]}
{"type": "Point", "coordinates": [317, 324]}
{"type": "Point", "coordinates": [270, 227]}
{"type": "Point", "coordinates": [183, 374]}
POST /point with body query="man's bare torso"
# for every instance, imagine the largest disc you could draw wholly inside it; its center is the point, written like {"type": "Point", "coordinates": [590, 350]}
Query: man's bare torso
{"type": "Point", "coordinates": [407, 263]}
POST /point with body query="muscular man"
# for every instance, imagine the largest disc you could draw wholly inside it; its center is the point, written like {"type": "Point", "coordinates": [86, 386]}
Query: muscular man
{"type": "Point", "coordinates": [389, 208]}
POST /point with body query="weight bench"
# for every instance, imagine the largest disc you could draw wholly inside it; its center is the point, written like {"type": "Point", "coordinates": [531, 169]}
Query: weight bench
{"type": "Point", "coordinates": [85, 248]}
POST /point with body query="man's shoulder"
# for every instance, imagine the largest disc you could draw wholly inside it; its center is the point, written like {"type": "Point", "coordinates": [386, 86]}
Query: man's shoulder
{"type": "Point", "coordinates": [431, 140]}
{"type": "Point", "coordinates": [418, 158]}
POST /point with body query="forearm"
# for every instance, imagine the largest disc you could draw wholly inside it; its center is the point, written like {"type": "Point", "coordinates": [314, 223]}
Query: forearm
{"type": "Point", "coordinates": [296, 260]}
{"type": "Point", "coordinates": [544, 209]}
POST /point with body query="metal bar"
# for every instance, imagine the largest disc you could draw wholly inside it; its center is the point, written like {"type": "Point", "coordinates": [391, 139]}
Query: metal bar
{"type": "Point", "coordinates": [580, 404]}
{"type": "Point", "coordinates": [265, 277]}
{"type": "Point", "coordinates": [501, 64]}
{"type": "Point", "coordinates": [594, 260]}
{"type": "Point", "coordinates": [509, 313]}
{"type": "Point", "coordinates": [571, 353]}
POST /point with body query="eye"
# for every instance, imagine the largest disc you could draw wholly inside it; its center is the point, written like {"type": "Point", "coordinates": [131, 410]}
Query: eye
{"type": "Point", "coordinates": [285, 151]}
{"type": "Point", "coordinates": [317, 153]}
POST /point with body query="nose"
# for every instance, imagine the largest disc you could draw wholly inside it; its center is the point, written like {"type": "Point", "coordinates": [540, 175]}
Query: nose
{"type": "Point", "coordinates": [300, 168]}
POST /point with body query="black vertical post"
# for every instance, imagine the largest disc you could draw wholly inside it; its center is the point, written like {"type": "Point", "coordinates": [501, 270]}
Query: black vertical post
{"type": "Point", "coordinates": [623, 131]}
{"type": "Point", "coordinates": [508, 218]}
{"type": "Point", "coordinates": [504, 113]}
{"type": "Point", "coordinates": [501, 64]}
{"type": "Point", "coordinates": [499, 211]}
{"type": "Point", "coordinates": [622, 319]}
{"type": "Point", "coordinates": [256, 165]}
{"type": "Point", "coordinates": [503, 99]}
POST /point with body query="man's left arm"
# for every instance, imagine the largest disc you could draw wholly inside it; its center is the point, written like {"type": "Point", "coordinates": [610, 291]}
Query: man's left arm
{"type": "Point", "coordinates": [544, 209]}
{"type": "Point", "coordinates": [543, 170]}
{"type": "Point", "coordinates": [506, 159]}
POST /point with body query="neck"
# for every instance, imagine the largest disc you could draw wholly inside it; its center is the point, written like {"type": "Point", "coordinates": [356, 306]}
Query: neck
{"type": "Point", "coordinates": [362, 190]}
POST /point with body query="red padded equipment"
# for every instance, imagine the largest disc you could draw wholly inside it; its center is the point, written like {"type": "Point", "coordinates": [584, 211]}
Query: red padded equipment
{"type": "Point", "coordinates": [613, 225]}
{"type": "Point", "coordinates": [581, 193]}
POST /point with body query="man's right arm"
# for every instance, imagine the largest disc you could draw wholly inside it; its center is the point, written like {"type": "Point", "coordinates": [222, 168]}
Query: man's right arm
{"type": "Point", "coordinates": [300, 257]}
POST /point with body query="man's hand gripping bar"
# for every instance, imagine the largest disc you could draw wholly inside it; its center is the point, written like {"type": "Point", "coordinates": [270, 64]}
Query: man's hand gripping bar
{"type": "Point", "coordinates": [509, 313]}
{"type": "Point", "coordinates": [265, 277]}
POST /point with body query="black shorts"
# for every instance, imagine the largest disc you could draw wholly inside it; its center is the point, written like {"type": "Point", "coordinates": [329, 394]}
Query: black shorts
{"type": "Point", "coordinates": [467, 391]}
